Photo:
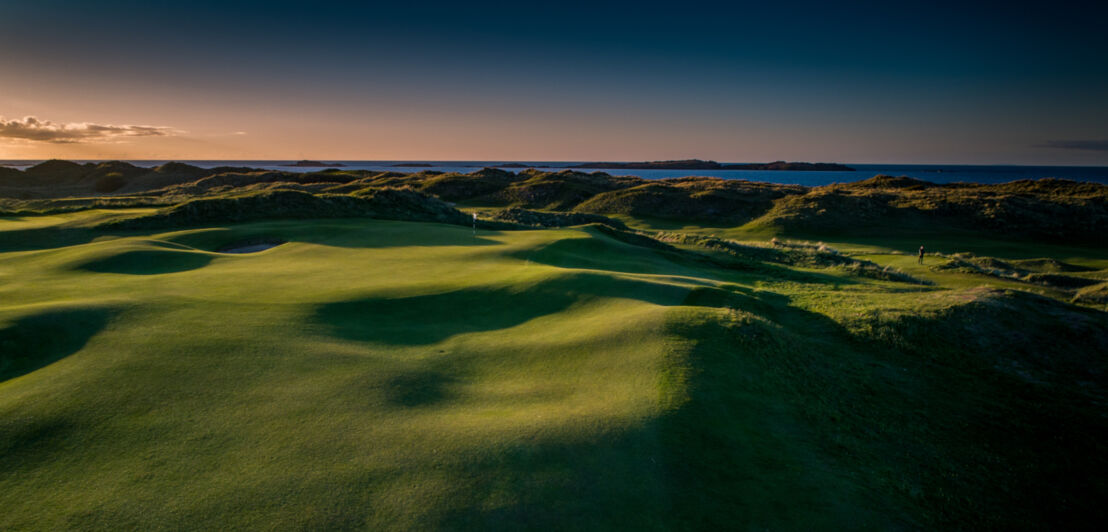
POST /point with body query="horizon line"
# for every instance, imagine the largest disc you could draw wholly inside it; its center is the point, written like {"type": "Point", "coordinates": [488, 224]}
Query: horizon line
{"type": "Point", "coordinates": [524, 161]}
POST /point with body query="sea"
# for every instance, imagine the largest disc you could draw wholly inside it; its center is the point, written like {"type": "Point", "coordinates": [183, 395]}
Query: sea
{"type": "Point", "coordinates": [935, 173]}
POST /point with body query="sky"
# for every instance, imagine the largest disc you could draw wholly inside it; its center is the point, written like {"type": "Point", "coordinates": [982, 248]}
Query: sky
{"type": "Point", "coordinates": [905, 82]}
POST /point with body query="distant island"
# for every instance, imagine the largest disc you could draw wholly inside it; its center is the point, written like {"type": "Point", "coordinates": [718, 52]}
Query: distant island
{"type": "Point", "coordinates": [314, 164]}
{"type": "Point", "coordinates": [697, 164]}
{"type": "Point", "coordinates": [412, 165]}
{"type": "Point", "coordinates": [782, 165]}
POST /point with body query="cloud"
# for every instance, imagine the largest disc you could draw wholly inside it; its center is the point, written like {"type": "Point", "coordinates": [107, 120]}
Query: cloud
{"type": "Point", "coordinates": [1088, 145]}
{"type": "Point", "coordinates": [35, 130]}
{"type": "Point", "coordinates": [226, 134]}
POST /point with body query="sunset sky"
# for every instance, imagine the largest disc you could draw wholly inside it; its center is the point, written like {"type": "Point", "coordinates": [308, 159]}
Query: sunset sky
{"type": "Point", "coordinates": [826, 81]}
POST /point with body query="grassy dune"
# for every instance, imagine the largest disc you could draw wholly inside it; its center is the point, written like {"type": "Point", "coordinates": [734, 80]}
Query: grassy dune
{"type": "Point", "coordinates": [387, 374]}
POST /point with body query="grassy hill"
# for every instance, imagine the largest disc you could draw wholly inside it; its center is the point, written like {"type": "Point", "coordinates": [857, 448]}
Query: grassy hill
{"type": "Point", "coordinates": [1041, 210]}
{"type": "Point", "coordinates": [383, 366]}
{"type": "Point", "coordinates": [398, 374]}
{"type": "Point", "coordinates": [1047, 209]}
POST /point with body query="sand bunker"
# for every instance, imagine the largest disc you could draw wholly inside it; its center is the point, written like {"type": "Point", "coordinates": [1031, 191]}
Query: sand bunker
{"type": "Point", "coordinates": [250, 247]}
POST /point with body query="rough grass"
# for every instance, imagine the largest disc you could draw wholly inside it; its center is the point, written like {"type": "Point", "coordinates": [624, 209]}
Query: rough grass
{"type": "Point", "coordinates": [551, 219]}
{"type": "Point", "coordinates": [387, 374]}
{"type": "Point", "coordinates": [1093, 295]}
{"type": "Point", "coordinates": [282, 203]}
{"type": "Point", "coordinates": [1040, 210]}
{"type": "Point", "coordinates": [1046, 210]}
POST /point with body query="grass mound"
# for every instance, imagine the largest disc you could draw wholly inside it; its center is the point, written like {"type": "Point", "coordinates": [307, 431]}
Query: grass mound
{"type": "Point", "coordinates": [1063, 340]}
{"type": "Point", "coordinates": [602, 248]}
{"type": "Point", "coordinates": [57, 171]}
{"type": "Point", "coordinates": [1047, 265]}
{"type": "Point", "coordinates": [701, 199]}
{"type": "Point", "coordinates": [403, 320]}
{"type": "Point", "coordinates": [385, 204]}
{"type": "Point", "coordinates": [990, 266]}
{"type": "Point", "coordinates": [147, 262]}
{"type": "Point", "coordinates": [998, 357]}
{"type": "Point", "coordinates": [552, 219]}
{"type": "Point", "coordinates": [555, 191]}
{"type": "Point", "coordinates": [1059, 281]}
{"type": "Point", "coordinates": [461, 187]}
{"type": "Point", "coordinates": [804, 254]}
{"type": "Point", "coordinates": [1093, 295]}
{"type": "Point", "coordinates": [1032, 210]}
{"type": "Point", "coordinates": [1042, 210]}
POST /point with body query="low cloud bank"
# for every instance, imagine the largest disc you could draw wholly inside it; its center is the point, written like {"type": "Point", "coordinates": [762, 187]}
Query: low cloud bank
{"type": "Point", "coordinates": [33, 129]}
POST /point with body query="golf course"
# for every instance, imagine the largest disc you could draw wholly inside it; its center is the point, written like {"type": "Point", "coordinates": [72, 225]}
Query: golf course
{"type": "Point", "coordinates": [241, 349]}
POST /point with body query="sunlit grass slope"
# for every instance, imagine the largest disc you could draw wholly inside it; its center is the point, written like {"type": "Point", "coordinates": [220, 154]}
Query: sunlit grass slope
{"type": "Point", "coordinates": [397, 375]}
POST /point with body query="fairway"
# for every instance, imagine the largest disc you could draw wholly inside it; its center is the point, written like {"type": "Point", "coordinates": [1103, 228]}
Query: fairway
{"type": "Point", "coordinates": [381, 374]}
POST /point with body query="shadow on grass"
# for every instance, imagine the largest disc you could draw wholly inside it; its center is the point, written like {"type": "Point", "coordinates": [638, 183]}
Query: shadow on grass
{"type": "Point", "coordinates": [814, 427]}
{"type": "Point", "coordinates": [35, 341]}
{"type": "Point", "coordinates": [740, 450]}
{"type": "Point", "coordinates": [46, 238]}
{"type": "Point", "coordinates": [598, 253]}
{"type": "Point", "coordinates": [428, 319]}
{"type": "Point", "coordinates": [419, 388]}
{"type": "Point", "coordinates": [602, 481]}
{"type": "Point", "coordinates": [148, 262]}
{"type": "Point", "coordinates": [26, 441]}
{"type": "Point", "coordinates": [734, 454]}
{"type": "Point", "coordinates": [353, 234]}
{"type": "Point", "coordinates": [434, 236]}
{"type": "Point", "coordinates": [931, 412]}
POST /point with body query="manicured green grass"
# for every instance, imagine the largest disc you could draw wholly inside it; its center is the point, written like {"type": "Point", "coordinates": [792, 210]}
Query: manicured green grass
{"type": "Point", "coordinates": [377, 374]}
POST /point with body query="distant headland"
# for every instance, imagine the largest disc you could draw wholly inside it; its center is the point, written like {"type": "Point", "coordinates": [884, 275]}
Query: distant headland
{"type": "Point", "coordinates": [314, 164]}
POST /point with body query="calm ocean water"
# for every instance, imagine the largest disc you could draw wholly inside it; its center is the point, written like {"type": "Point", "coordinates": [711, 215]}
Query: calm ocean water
{"type": "Point", "coordinates": [935, 173]}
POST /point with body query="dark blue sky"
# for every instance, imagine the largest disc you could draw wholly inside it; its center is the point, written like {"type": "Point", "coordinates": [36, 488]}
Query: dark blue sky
{"type": "Point", "coordinates": [904, 82]}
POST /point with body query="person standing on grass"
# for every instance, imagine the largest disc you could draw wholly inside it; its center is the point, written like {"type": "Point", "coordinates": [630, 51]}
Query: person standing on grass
{"type": "Point", "coordinates": [921, 254]}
